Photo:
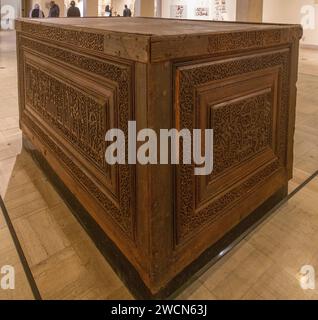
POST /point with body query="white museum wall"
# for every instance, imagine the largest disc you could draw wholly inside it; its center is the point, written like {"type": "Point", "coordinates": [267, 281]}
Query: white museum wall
{"type": "Point", "coordinates": [290, 11]}
{"type": "Point", "coordinates": [102, 5]}
{"type": "Point", "coordinates": [136, 7]}
{"type": "Point", "coordinates": [196, 9]}
{"type": "Point", "coordinates": [118, 6]}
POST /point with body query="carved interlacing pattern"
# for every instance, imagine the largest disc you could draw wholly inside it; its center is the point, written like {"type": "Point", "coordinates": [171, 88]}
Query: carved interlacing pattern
{"type": "Point", "coordinates": [121, 75]}
{"type": "Point", "coordinates": [241, 129]}
{"type": "Point", "coordinates": [76, 116]}
{"type": "Point", "coordinates": [73, 168]}
{"type": "Point", "coordinates": [118, 73]}
{"type": "Point", "coordinates": [217, 43]}
{"type": "Point", "coordinates": [189, 218]}
{"type": "Point", "coordinates": [218, 208]}
{"type": "Point", "coordinates": [82, 39]}
{"type": "Point", "coordinates": [248, 40]}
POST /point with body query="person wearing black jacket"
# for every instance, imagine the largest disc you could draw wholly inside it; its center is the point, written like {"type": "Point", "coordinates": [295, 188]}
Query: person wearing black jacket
{"type": "Point", "coordinates": [127, 11]}
{"type": "Point", "coordinates": [54, 10]}
{"type": "Point", "coordinates": [73, 11]}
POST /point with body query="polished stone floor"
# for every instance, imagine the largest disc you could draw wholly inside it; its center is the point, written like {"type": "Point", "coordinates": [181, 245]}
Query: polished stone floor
{"type": "Point", "coordinates": [65, 263]}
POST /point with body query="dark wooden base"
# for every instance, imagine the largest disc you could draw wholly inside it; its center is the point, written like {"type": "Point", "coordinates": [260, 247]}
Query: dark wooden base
{"type": "Point", "coordinates": [120, 263]}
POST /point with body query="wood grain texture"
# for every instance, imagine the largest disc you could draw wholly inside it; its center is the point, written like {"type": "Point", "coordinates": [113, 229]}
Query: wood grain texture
{"type": "Point", "coordinates": [239, 79]}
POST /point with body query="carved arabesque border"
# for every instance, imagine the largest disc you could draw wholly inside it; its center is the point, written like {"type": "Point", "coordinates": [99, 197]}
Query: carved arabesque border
{"type": "Point", "coordinates": [188, 218]}
{"type": "Point", "coordinates": [122, 75]}
{"type": "Point", "coordinates": [230, 41]}
{"type": "Point", "coordinates": [76, 116]}
{"type": "Point", "coordinates": [80, 38]}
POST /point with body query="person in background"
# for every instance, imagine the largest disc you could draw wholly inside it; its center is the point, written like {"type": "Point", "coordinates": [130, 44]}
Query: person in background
{"type": "Point", "coordinates": [127, 11]}
{"type": "Point", "coordinates": [108, 11]}
{"type": "Point", "coordinates": [54, 10]}
{"type": "Point", "coordinates": [73, 11]}
{"type": "Point", "coordinates": [36, 12]}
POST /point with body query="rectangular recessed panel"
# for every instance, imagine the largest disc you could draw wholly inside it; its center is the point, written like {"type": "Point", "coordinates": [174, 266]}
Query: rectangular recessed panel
{"type": "Point", "coordinates": [77, 109]}
{"type": "Point", "coordinates": [69, 110]}
{"type": "Point", "coordinates": [244, 100]}
{"type": "Point", "coordinates": [242, 112]}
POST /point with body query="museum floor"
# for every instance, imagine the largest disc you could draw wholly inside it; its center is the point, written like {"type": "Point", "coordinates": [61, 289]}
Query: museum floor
{"type": "Point", "coordinates": [65, 264]}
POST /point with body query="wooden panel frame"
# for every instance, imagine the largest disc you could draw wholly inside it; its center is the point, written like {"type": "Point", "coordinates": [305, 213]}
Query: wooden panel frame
{"type": "Point", "coordinates": [228, 94]}
{"type": "Point", "coordinates": [104, 96]}
{"type": "Point", "coordinates": [189, 78]}
{"type": "Point", "coordinates": [102, 79]}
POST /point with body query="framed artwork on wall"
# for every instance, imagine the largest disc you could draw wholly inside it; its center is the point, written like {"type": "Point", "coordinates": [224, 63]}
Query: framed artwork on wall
{"type": "Point", "coordinates": [178, 11]}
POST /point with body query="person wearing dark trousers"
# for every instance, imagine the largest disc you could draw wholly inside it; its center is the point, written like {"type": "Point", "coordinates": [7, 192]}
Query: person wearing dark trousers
{"type": "Point", "coordinates": [73, 11]}
{"type": "Point", "coordinates": [54, 10]}
{"type": "Point", "coordinates": [127, 11]}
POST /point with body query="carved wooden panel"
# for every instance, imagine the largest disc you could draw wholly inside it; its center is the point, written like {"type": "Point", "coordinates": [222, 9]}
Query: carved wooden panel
{"type": "Point", "coordinates": [242, 128]}
{"type": "Point", "coordinates": [242, 111]}
{"type": "Point", "coordinates": [81, 39]}
{"type": "Point", "coordinates": [225, 42]}
{"type": "Point", "coordinates": [80, 118]}
{"type": "Point", "coordinates": [248, 120]}
{"type": "Point", "coordinates": [245, 101]}
{"type": "Point", "coordinates": [70, 102]}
